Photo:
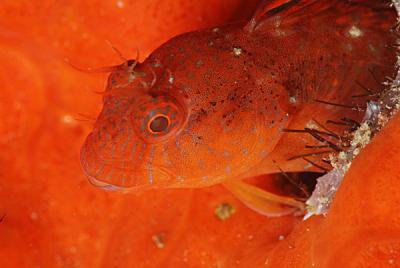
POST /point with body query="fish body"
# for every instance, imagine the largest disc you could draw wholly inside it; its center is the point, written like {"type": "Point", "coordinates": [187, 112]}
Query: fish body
{"type": "Point", "coordinates": [212, 106]}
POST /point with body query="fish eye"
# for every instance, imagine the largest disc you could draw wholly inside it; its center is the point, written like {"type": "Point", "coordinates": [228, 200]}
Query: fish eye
{"type": "Point", "coordinates": [157, 119]}
{"type": "Point", "coordinates": [158, 123]}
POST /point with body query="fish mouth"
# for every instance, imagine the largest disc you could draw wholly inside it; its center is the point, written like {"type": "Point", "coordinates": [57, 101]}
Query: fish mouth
{"type": "Point", "coordinates": [119, 174]}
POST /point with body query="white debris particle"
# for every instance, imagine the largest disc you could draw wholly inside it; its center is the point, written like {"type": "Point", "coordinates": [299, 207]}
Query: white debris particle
{"type": "Point", "coordinates": [68, 119]}
{"type": "Point", "coordinates": [34, 216]}
{"type": "Point", "coordinates": [158, 240]}
{"type": "Point", "coordinates": [281, 237]}
{"type": "Point", "coordinates": [120, 4]}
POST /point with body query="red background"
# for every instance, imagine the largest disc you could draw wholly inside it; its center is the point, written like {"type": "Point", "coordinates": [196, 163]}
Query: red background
{"type": "Point", "coordinates": [55, 218]}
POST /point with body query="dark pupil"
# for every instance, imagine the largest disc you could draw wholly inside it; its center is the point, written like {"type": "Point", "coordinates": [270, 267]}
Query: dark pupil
{"type": "Point", "coordinates": [159, 124]}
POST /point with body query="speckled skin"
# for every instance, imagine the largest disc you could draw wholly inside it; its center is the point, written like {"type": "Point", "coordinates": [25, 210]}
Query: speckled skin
{"type": "Point", "coordinates": [229, 93]}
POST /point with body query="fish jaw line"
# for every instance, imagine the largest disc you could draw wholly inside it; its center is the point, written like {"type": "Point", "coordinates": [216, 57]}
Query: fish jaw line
{"type": "Point", "coordinates": [116, 175]}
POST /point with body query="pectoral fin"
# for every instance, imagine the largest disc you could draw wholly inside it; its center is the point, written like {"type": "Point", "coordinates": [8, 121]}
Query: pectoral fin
{"type": "Point", "coordinates": [262, 201]}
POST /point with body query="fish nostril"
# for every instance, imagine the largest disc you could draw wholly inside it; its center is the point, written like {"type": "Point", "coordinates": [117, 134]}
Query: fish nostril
{"type": "Point", "coordinates": [159, 123]}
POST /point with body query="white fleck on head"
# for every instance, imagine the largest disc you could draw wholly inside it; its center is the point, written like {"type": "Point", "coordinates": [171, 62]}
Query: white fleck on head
{"type": "Point", "coordinates": [237, 51]}
{"type": "Point", "coordinates": [355, 32]}
{"type": "Point", "coordinates": [171, 79]}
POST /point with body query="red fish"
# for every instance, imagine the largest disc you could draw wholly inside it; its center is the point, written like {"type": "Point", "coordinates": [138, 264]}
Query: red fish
{"type": "Point", "coordinates": [212, 106]}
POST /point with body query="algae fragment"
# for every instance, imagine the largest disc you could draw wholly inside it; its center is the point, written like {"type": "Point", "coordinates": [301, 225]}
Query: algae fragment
{"type": "Point", "coordinates": [159, 240]}
{"type": "Point", "coordinates": [224, 211]}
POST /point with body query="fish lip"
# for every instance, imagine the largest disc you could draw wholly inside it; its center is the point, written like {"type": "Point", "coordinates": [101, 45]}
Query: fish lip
{"type": "Point", "coordinates": [83, 158]}
{"type": "Point", "coordinates": [116, 188]}
{"type": "Point", "coordinates": [105, 186]}
{"type": "Point", "coordinates": [87, 154]}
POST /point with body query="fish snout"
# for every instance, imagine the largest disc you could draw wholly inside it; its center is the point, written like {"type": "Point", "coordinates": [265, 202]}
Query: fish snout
{"type": "Point", "coordinates": [120, 166]}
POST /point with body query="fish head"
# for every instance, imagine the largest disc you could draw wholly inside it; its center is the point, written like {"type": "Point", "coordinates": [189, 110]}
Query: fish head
{"type": "Point", "coordinates": [194, 113]}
